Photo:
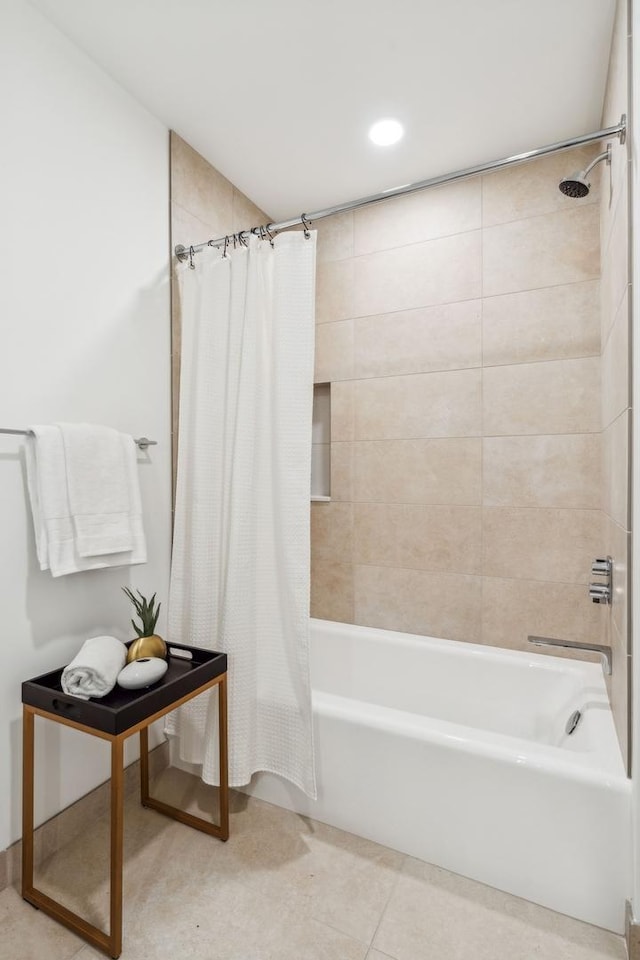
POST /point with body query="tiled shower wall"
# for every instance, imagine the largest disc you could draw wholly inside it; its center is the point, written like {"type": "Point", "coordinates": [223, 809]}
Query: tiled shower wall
{"type": "Point", "coordinates": [615, 314]}
{"type": "Point", "coordinates": [460, 330]}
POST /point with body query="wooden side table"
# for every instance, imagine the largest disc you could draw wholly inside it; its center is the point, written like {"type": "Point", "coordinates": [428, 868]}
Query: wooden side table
{"type": "Point", "coordinates": [115, 718]}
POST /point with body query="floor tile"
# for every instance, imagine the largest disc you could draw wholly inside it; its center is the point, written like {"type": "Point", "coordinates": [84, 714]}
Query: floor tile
{"type": "Point", "coordinates": [324, 873]}
{"type": "Point", "coordinates": [436, 915]}
{"type": "Point", "coordinates": [228, 922]}
{"type": "Point", "coordinates": [283, 887]}
{"type": "Point", "coordinates": [28, 934]}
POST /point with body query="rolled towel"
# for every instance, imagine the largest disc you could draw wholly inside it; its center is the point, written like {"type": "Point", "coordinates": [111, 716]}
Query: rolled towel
{"type": "Point", "coordinates": [94, 671]}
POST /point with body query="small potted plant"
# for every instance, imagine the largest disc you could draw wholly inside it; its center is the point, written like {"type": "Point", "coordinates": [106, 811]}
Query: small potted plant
{"type": "Point", "coordinates": [148, 644]}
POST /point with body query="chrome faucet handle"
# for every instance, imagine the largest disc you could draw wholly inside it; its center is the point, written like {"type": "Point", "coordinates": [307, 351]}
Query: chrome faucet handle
{"type": "Point", "coordinates": [601, 567]}
{"type": "Point", "coordinates": [600, 592]}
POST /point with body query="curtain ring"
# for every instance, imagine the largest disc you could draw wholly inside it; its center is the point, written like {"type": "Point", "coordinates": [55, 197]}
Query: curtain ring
{"type": "Point", "coordinates": [192, 265]}
{"type": "Point", "coordinates": [226, 244]}
{"type": "Point", "coordinates": [269, 234]}
{"type": "Point", "coordinates": [306, 223]}
{"type": "Point", "coordinates": [242, 239]}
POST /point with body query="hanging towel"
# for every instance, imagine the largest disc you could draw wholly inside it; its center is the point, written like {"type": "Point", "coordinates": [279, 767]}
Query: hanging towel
{"type": "Point", "coordinates": [94, 670]}
{"type": "Point", "coordinates": [98, 486]}
{"type": "Point", "coordinates": [54, 526]}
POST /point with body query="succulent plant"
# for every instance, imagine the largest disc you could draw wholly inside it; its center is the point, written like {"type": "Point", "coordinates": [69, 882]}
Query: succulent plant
{"type": "Point", "coordinates": [146, 612]}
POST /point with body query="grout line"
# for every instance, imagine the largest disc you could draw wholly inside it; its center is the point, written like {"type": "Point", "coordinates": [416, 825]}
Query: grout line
{"type": "Point", "coordinates": [468, 576]}
{"type": "Point", "coordinates": [447, 303]}
{"type": "Point", "coordinates": [470, 367]}
{"type": "Point", "coordinates": [388, 901]}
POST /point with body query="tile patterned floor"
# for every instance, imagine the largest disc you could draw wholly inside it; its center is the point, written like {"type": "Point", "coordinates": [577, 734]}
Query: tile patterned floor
{"type": "Point", "coordinates": [283, 888]}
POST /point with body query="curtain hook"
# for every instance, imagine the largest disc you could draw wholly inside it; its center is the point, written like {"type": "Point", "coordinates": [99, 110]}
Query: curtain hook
{"type": "Point", "coordinates": [269, 234]}
{"type": "Point", "coordinates": [226, 244]}
{"type": "Point", "coordinates": [242, 239]}
{"type": "Point", "coordinates": [306, 223]}
{"type": "Point", "coordinates": [192, 265]}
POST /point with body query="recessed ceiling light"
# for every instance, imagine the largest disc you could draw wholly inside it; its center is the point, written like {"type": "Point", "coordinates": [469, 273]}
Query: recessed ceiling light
{"type": "Point", "coordinates": [385, 132]}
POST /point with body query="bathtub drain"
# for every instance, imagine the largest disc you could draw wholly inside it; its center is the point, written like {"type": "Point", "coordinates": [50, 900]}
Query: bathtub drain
{"type": "Point", "coordinates": [573, 722]}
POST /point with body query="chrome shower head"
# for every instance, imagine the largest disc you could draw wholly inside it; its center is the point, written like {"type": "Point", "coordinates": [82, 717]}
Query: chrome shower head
{"type": "Point", "coordinates": [577, 185]}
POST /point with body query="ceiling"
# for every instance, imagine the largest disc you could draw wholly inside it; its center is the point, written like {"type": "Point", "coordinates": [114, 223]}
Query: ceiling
{"type": "Point", "coordinates": [279, 94]}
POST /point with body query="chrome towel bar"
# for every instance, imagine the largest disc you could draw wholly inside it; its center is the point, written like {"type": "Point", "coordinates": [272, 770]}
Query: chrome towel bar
{"type": "Point", "coordinates": [141, 442]}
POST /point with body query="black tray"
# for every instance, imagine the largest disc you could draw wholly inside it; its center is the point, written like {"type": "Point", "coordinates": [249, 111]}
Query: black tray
{"type": "Point", "coordinates": [122, 709]}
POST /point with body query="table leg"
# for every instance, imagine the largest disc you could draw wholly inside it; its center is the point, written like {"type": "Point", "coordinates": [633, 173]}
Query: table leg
{"type": "Point", "coordinates": [144, 765]}
{"type": "Point", "coordinates": [117, 843]}
{"type": "Point", "coordinates": [224, 758]}
{"type": "Point", "coordinates": [28, 721]}
{"type": "Point", "coordinates": [221, 830]}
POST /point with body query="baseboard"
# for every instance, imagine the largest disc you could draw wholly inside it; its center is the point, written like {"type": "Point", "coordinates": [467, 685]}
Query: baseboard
{"type": "Point", "coordinates": [75, 819]}
{"type": "Point", "coordinates": [632, 933]}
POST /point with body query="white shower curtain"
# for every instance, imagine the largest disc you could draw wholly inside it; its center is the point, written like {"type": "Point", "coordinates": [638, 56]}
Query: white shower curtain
{"type": "Point", "coordinates": [240, 568]}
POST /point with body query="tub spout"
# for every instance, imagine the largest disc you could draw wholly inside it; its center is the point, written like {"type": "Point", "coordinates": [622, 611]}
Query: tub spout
{"type": "Point", "coordinates": [604, 651]}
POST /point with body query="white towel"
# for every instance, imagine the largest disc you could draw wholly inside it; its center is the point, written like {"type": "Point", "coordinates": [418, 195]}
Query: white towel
{"type": "Point", "coordinates": [94, 671]}
{"type": "Point", "coordinates": [98, 486]}
{"type": "Point", "coordinates": [54, 526]}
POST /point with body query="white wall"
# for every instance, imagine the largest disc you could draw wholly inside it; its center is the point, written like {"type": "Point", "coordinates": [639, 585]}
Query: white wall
{"type": "Point", "coordinates": [84, 335]}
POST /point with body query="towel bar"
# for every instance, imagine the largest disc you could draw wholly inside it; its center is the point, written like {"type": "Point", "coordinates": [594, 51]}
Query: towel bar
{"type": "Point", "coordinates": [141, 442]}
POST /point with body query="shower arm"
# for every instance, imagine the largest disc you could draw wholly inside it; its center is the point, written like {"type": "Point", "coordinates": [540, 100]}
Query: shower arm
{"type": "Point", "coordinates": [606, 155]}
{"type": "Point", "coordinates": [619, 130]}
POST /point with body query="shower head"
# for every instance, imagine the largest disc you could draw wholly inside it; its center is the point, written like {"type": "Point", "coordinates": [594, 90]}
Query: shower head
{"type": "Point", "coordinates": [577, 185]}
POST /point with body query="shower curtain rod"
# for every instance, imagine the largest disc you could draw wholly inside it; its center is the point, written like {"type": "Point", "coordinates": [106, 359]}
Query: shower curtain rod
{"type": "Point", "coordinates": [185, 253]}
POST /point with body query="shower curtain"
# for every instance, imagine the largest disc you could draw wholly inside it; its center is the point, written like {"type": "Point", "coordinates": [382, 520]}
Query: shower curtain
{"type": "Point", "coordinates": [240, 566]}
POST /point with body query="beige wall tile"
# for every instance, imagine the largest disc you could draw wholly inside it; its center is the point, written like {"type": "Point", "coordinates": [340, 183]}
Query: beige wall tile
{"type": "Point", "coordinates": [540, 543]}
{"type": "Point", "coordinates": [530, 189]}
{"type": "Point", "coordinates": [414, 601]}
{"type": "Point", "coordinates": [553, 323]}
{"type": "Point", "coordinates": [245, 214]}
{"type": "Point", "coordinates": [440, 538]}
{"type": "Point", "coordinates": [341, 471]}
{"type": "Point", "coordinates": [549, 471]}
{"type": "Point", "coordinates": [334, 351]}
{"type": "Point", "coordinates": [332, 590]}
{"type": "Point", "coordinates": [342, 410]}
{"type": "Point", "coordinates": [199, 188]}
{"type": "Point", "coordinates": [559, 396]}
{"type": "Point", "coordinates": [444, 337]}
{"type": "Point", "coordinates": [420, 405]}
{"type": "Point", "coordinates": [615, 451]}
{"type": "Point", "coordinates": [335, 238]}
{"type": "Point", "coordinates": [615, 366]}
{"type": "Point", "coordinates": [438, 271]}
{"type": "Point", "coordinates": [418, 471]}
{"type": "Point", "coordinates": [615, 191]}
{"type": "Point", "coordinates": [332, 532]}
{"type": "Point", "coordinates": [440, 212]}
{"type": "Point", "coordinates": [542, 251]}
{"type": "Point", "coordinates": [617, 545]}
{"type": "Point", "coordinates": [335, 290]}
{"type": "Point", "coordinates": [515, 609]}
{"type": "Point", "coordinates": [615, 268]}
{"type": "Point", "coordinates": [186, 228]}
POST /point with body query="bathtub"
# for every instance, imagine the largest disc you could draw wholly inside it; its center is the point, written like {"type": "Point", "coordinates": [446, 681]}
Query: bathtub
{"type": "Point", "coordinates": [457, 754]}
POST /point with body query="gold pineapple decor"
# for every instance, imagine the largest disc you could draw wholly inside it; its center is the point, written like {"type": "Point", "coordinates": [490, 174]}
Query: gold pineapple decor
{"type": "Point", "coordinates": [148, 644]}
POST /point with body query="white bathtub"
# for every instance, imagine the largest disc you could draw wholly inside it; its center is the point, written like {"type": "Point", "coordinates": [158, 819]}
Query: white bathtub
{"type": "Point", "coordinates": [456, 754]}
